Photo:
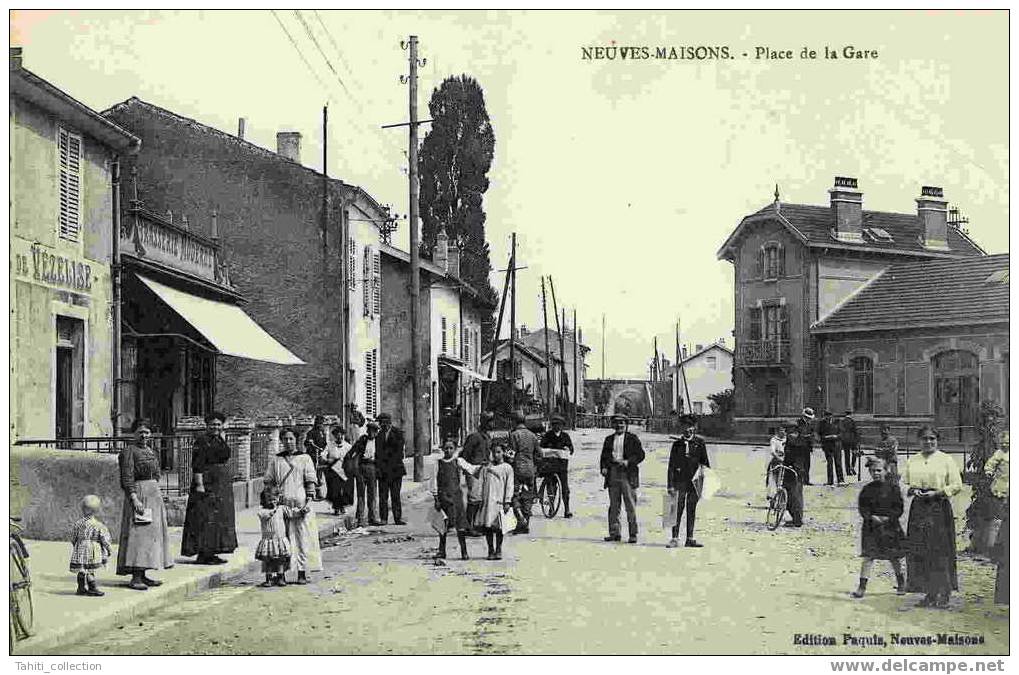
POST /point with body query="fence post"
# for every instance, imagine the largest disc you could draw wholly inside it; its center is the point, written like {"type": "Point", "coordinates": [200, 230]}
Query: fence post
{"type": "Point", "coordinates": [238, 437]}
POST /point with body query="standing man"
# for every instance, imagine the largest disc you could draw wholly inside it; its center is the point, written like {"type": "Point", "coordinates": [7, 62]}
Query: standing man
{"type": "Point", "coordinates": [828, 430]}
{"type": "Point", "coordinates": [621, 454]}
{"type": "Point", "coordinates": [390, 469]}
{"type": "Point", "coordinates": [805, 425]}
{"type": "Point", "coordinates": [476, 452]}
{"type": "Point", "coordinates": [797, 454]}
{"type": "Point", "coordinates": [850, 441]}
{"type": "Point", "coordinates": [689, 454]}
{"type": "Point", "coordinates": [557, 439]}
{"type": "Point", "coordinates": [524, 445]}
{"type": "Point", "coordinates": [365, 452]}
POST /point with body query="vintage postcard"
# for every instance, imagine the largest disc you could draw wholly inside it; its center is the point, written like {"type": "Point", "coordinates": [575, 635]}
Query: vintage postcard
{"type": "Point", "coordinates": [510, 332]}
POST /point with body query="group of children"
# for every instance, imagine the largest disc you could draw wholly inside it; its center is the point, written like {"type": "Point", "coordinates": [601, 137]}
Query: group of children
{"type": "Point", "coordinates": [496, 498]}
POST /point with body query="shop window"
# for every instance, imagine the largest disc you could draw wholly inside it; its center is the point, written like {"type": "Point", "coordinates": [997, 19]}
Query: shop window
{"type": "Point", "coordinates": [70, 152]}
{"type": "Point", "coordinates": [863, 384]}
{"type": "Point", "coordinates": [198, 379]}
{"type": "Point", "coordinates": [69, 408]}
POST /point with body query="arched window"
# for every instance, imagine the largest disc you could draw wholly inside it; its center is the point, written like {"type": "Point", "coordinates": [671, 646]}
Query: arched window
{"type": "Point", "coordinates": [863, 384]}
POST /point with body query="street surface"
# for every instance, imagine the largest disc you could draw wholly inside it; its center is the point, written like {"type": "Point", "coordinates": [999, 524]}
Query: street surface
{"type": "Point", "coordinates": [562, 590]}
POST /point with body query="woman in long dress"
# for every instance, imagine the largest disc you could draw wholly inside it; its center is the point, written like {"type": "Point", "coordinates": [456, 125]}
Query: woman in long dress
{"type": "Point", "coordinates": [145, 542]}
{"type": "Point", "coordinates": [337, 491]}
{"type": "Point", "coordinates": [933, 478]}
{"type": "Point", "coordinates": [294, 475]}
{"type": "Point", "coordinates": [209, 520]}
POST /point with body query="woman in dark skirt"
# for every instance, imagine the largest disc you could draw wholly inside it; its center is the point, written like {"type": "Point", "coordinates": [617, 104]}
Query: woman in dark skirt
{"type": "Point", "coordinates": [209, 521]}
{"type": "Point", "coordinates": [933, 478]}
{"type": "Point", "coordinates": [339, 491]}
{"type": "Point", "coordinates": [144, 536]}
{"type": "Point", "coordinates": [880, 505]}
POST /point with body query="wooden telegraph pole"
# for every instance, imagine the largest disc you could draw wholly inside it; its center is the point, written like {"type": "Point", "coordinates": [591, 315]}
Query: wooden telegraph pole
{"type": "Point", "coordinates": [548, 354]}
{"type": "Point", "coordinates": [513, 323]}
{"type": "Point", "coordinates": [682, 370]}
{"type": "Point", "coordinates": [562, 349]}
{"type": "Point", "coordinates": [576, 351]}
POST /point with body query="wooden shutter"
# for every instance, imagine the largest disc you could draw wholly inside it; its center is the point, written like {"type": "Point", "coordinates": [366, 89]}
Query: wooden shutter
{"type": "Point", "coordinates": [445, 344]}
{"type": "Point", "coordinates": [885, 389]}
{"type": "Point", "coordinates": [918, 388]}
{"type": "Point", "coordinates": [838, 388]}
{"type": "Point", "coordinates": [70, 185]}
{"type": "Point", "coordinates": [376, 284]}
{"type": "Point", "coordinates": [370, 382]}
{"type": "Point", "coordinates": [352, 264]}
{"type": "Point", "coordinates": [366, 278]}
{"type": "Point", "coordinates": [466, 346]}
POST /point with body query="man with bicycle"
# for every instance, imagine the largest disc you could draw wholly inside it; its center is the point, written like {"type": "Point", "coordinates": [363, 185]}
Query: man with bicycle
{"type": "Point", "coordinates": [557, 439]}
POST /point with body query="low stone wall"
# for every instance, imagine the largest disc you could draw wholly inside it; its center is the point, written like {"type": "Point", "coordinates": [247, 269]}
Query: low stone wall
{"type": "Point", "coordinates": [47, 487]}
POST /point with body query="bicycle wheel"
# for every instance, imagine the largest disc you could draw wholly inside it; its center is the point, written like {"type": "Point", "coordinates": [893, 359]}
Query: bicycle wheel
{"type": "Point", "coordinates": [555, 495]}
{"type": "Point", "coordinates": [777, 508]}
{"type": "Point", "coordinates": [22, 611]}
{"type": "Point", "coordinates": [543, 496]}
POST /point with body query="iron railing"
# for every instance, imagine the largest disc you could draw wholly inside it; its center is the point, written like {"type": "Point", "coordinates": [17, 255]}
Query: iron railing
{"type": "Point", "coordinates": [763, 352]}
{"type": "Point", "coordinates": [260, 445]}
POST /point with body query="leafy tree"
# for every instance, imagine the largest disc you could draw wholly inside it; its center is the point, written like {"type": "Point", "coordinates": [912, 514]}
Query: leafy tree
{"type": "Point", "coordinates": [453, 171]}
{"type": "Point", "coordinates": [979, 513]}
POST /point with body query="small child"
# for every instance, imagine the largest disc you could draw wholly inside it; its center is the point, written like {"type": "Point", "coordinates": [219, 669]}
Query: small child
{"type": "Point", "coordinates": [496, 499]}
{"type": "Point", "coordinates": [777, 458]}
{"type": "Point", "coordinates": [274, 547]}
{"type": "Point", "coordinates": [449, 498]}
{"type": "Point", "coordinates": [881, 507]}
{"type": "Point", "coordinates": [91, 546]}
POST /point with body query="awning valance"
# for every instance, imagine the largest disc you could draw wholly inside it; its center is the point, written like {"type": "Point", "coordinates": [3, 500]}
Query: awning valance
{"type": "Point", "coordinates": [468, 372]}
{"type": "Point", "coordinates": [226, 326]}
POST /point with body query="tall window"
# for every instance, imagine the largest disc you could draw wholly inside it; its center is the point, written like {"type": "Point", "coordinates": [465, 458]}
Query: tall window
{"type": "Point", "coordinates": [771, 261]}
{"type": "Point", "coordinates": [863, 384]}
{"type": "Point", "coordinates": [70, 377]}
{"type": "Point", "coordinates": [70, 184]}
{"type": "Point", "coordinates": [775, 322]}
{"type": "Point", "coordinates": [198, 382]}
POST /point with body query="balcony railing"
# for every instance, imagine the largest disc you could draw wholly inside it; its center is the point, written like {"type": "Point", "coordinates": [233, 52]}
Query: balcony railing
{"type": "Point", "coordinates": [763, 352]}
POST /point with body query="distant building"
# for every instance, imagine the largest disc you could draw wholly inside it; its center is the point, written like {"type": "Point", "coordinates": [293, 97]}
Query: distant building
{"type": "Point", "coordinates": [795, 265]}
{"type": "Point", "coordinates": [279, 224]}
{"type": "Point", "coordinates": [707, 371]}
{"type": "Point", "coordinates": [453, 311]}
{"type": "Point", "coordinates": [528, 369]}
{"type": "Point", "coordinates": [536, 340]}
{"type": "Point", "coordinates": [62, 223]}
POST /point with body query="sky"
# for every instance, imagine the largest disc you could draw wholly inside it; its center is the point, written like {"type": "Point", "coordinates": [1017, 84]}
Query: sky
{"type": "Point", "coordinates": [621, 178]}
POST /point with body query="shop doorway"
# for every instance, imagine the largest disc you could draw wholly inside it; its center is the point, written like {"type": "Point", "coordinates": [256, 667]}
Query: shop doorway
{"type": "Point", "coordinates": [69, 385]}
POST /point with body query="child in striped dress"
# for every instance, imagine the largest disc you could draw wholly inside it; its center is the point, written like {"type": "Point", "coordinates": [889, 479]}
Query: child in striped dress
{"type": "Point", "coordinates": [91, 546]}
{"type": "Point", "coordinates": [274, 547]}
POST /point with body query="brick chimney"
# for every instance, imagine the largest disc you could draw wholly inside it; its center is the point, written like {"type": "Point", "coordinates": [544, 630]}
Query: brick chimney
{"type": "Point", "coordinates": [847, 207]}
{"type": "Point", "coordinates": [15, 58]}
{"type": "Point", "coordinates": [932, 209]}
{"type": "Point", "coordinates": [242, 123]}
{"type": "Point", "coordinates": [453, 266]}
{"type": "Point", "coordinates": [440, 254]}
{"type": "Point", "coordinates": [288, 144]}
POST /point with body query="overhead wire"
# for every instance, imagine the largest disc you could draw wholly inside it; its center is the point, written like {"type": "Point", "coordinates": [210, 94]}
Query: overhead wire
{"type": "Point", "coordinates": [314, 40]}
{"type": "Point", "coordinates": [299, 52]}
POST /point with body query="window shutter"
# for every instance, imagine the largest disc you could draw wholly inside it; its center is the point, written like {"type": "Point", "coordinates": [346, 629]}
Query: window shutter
{"type": "Point", "coordinates": [781, 261]}
{"type": "Point", "coordinates": [465, 346]}
{"type": "Point", "coordinates": [376, 284]}
{"type": "Point", "coordinates": [70, 185]}
{"type": "Point", "coordinates": [452, 335]}
{"type": "Point", "coordinates": [370, 381]}
{"type": "Point", "coordinates": [444, 343]}
{"type": "Point", "coordinates": [760, 263]}
{"type": "Point", "coordinates": [754, 319]}
{"type": "Point", "coordinates": [838, 388]}
{"type": "Point", "coordinates": [352, 264]}
{"type": "Point", "coordinates": [366, 290]}
{"type": "Point", "coordinates": [783, 325]}
{"type": "Point", "coordinates": [885, 393]}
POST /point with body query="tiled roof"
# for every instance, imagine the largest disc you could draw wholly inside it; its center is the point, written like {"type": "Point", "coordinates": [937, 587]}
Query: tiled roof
{"type": "Point", "coordinates": [957, 292]}
{"type": "Point", "coordinates": [813, 224]}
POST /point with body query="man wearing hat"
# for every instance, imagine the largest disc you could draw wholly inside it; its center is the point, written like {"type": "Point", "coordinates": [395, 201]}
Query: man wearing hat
{"type": "Point", "coordinates": [209, 522]}
{"type": "Point", "coordinates": [476, 452]}
{"type": "Point", "coordinates": [796, 454]}
{"type": "Point", "coordinates": [850, 439]}
{"type": "Point", "coordinates": [805, 425]}
{"type": "Point", "coordinates": [366, 480]}
{"type": "Point", "coordinates": [686, 458]}
{"type": "Point", "coordinates": [390, 469]}
{"type": "Point", "coordinates": [524, 445]}
{"type": "Point", "coordinates": [828, 430]}
{"type": "Point", "coordinates": [621, 455]}
{"type": "Point", "coordinates": [557, 439]}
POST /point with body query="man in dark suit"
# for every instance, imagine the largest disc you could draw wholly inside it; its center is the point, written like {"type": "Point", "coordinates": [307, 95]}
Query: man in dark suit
{"type": "Point", "coordinates": [688, 455]}
{"type": "Point", "coordinates": [805, 425]}
{"type": "Point", "coordinates": [621, 455]}
{"type": "Point", "coordinates": [797, 451]}
{"type": "Point", "coordinates": [557, 439]}
{"type": "Point", "coordinates": [828, 430]}
{"type": "Point", "coordinates": [850, 441]}
{"type": "Point", "coordinates": [390, 469]}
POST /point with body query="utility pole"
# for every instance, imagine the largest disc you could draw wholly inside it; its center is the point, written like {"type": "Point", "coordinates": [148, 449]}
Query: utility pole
{"type": "Point", "coordinates": [498, 323]}
{"type": "Point", "coordinates": [682, 370]}
{"type": "Point", "coordinates": [548, 354]}
{"type": "Point", "coordinates": [115, 410]}
{"type": "Point", "coordinates": [675, 379]}
{"type": "Point", "coordinates": [513, 323]}
{"type": "Point", "coordinates": [576, 349]}
{"type": "Point", "coordinates": [603, 346]}
{"type": "Point", "coordinates": [417, 414]}
{"type": "Point", "coordinates": [325, 180]}
{"type": "Point", "coordinates": [562, 350]}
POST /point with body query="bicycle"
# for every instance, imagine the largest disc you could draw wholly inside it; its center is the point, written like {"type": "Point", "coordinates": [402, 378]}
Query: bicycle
{"type": "Point", "coordinates": [22, 614]}
{"type": "Point", "coordinates": [549, 488]}
{"type": "Point", "coordinates": [777, 502]}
